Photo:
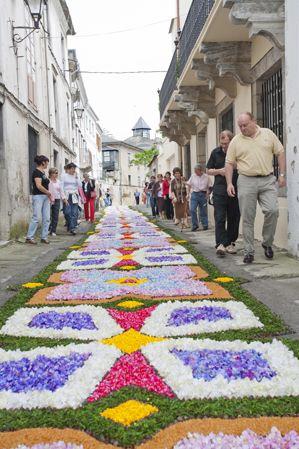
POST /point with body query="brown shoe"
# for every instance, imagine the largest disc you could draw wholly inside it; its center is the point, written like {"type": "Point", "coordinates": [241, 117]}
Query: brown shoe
{"type": "Point", "coordinates": [45, 241]}
{"type": "Point", "coordinates": [30, 241]}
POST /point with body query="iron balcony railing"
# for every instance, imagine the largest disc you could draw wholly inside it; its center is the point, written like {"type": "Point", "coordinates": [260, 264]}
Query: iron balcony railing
{"type": "Point", "coordinates": [169, 83]}
{"type": "Point", "coordinates": [195, 21]}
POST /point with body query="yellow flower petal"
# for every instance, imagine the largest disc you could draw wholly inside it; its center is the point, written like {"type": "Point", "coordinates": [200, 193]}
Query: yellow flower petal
{"type": "Point", "coordinates": [224, 279]}
{"type": "Point", "coordinates": [32, 285]}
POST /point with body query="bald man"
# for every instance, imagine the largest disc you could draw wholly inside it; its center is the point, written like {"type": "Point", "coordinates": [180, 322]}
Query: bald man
{"type": "Point", "coordinates": [252, 151]}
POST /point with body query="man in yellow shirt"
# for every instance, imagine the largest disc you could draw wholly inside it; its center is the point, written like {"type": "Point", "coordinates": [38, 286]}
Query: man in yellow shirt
{"type": "Point", "coordinates": [252, 151]}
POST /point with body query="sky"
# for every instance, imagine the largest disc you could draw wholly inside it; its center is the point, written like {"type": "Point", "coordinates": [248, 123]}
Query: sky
{"type": "Point", "coordinates": [119, 100]}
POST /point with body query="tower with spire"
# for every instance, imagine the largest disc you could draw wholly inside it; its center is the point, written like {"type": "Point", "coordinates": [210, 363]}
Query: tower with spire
{"type": "Point", "coordinates": [141, 135]}
{"type": "Point", "coordinates": [141, 129]}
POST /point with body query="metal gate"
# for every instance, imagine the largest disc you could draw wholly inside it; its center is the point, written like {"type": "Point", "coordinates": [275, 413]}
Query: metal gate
{"type": "Point", "coordinates": [272, 101]}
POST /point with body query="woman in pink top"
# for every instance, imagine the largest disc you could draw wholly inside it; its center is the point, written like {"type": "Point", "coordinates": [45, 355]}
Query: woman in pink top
{"type": "Point", "coordinates": [57, 195]}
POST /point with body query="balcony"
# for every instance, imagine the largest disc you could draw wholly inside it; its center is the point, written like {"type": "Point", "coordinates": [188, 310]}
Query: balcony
{"type": "Point", "coordinates": [196, 19]}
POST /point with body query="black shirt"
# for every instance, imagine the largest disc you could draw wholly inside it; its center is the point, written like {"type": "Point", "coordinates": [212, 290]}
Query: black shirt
{"type": "Point", "coordinates": [45, 182]}
{"type": "Point", "coordinates": [217, 161]}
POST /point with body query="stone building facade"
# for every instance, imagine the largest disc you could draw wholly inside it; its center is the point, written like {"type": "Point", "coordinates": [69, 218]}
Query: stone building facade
{"type": "Point", "coordinates": [229, 58]}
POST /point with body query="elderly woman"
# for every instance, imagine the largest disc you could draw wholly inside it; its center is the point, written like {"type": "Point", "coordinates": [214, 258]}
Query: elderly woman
{"type": "Point", "coordinates": [72, 188]}
{"type": "Point", "coordinates": [179, 195]}
{"type": "Point", "coordinates": [41, 197]}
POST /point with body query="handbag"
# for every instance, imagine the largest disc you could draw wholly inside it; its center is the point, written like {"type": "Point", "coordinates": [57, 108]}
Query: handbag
{"type": "Point", "coordinates": [93, 194]}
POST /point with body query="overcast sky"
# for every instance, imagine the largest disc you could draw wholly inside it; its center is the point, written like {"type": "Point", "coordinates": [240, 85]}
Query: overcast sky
{"type": "Point", "coordinates": [119, 100]}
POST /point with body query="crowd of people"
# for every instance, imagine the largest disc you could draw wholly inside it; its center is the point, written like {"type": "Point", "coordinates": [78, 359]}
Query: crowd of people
{"type": "Point", "coordinates": [242, 168]}
{"type": "Point", "coordinates": [53, 193]}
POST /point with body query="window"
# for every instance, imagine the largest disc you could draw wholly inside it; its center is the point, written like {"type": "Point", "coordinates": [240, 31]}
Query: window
{"type": "Point", "coordinates": [68, 119]}
{"type": "Point", "coordinates": [139, 181]}
{"type": "Point", "coordinates": [129, 158]}
{"type": "Point", "coordinates": [30, 59]}
{"type": "Point", "coordinates": [32, 152]}
{"type": "Point", "coordinates": [106, 155]}
{"type": "Point", "coordinates": [272, 101]}
{"type": "Point", "coordinates": [227, 120]}
{"type": "Point", "coordinates": [62, 47]}
{"type": "Point", "coordinates": [55, 94]}
{"type": "Point", "coordinates": [129, 180]}
{"type": "Point", "coordinates": [66, 161]}
{"type": "Point", "coordinates": [55, 158]}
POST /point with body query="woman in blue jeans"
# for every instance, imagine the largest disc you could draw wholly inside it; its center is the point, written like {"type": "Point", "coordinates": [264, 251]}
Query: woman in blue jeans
{"type": "Point", "coordinates": [40, 201]}
{"type": "Point", "coordinates": [72, 188]}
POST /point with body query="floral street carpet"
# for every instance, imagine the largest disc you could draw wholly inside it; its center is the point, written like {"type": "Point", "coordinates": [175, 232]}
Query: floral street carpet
{"type": "Point", "coordinates": [132, 339]}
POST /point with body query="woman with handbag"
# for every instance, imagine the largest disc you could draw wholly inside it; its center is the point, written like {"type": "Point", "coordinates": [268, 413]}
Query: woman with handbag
{"type": "Point", "coordinates": [88, 186]}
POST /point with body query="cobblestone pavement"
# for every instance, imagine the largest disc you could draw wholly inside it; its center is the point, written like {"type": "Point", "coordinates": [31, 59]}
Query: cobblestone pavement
{"type": "Point", "coordinates": [20, 262]}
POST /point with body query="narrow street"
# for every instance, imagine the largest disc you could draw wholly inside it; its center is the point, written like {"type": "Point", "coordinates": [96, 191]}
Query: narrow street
{"type": "Point", "coordinates": [149, 224]}
{"type": "Point", "coordinates": [130, 333]}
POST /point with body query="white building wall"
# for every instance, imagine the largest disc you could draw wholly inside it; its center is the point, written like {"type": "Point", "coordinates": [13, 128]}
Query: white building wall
{"type": "Point", "coordinates": [19, 112]}
{"type": "Point", "coordinates": [292, 125]}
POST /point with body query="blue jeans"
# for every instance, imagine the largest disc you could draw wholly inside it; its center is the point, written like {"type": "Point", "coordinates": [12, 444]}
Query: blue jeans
{"type": "Point", "coordinates": [154, 206]}
{"type": "Point", "coordinates": [148, 199]}
{"type": "Point", "coordinates": [41, 211]}
{"type": "Point", "coordinates": [199, 199]}
{"type": "Point", "coordinates": [71, 214]}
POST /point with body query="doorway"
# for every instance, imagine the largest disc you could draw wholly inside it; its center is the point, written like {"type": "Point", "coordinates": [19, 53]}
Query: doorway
{"type": "Point", "coordinates": [32, 152]}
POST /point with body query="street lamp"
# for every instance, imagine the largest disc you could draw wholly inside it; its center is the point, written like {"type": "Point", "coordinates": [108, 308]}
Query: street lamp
{"type": "Point", "coordinates": [79, 112]}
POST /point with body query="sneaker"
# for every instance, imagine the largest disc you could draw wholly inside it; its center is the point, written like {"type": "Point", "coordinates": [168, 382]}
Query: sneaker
{"type": "Point", "coordinates": [73, 232]}
{"type": "Point", "coordinates": [46, 241]}
{"type": "Point", "coordinates": [30, 241]}
{"type": "Point", "coordinates": [53, 234]}
{"type": "Point", "coordinates": [249, 258]}
{"type": "Point", "coordinates": [220, 251]}
{"type": "Point", "coordinates": [231, 249]}
{"type": "Point", "coordinates": [205, 228]}
{"type": "Point", "coordinates": [194, 228]}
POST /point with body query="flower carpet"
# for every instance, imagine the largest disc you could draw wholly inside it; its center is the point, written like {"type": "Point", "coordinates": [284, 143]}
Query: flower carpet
{"type": "Point", "coordinates": [131, 339]}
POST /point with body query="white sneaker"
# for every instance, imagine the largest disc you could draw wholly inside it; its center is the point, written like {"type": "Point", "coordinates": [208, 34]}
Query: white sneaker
{"type": "Point", "coordinates": [53, 234]}
{"type": "Point", "coordinates": [231, 249]}
{"type": "Point", "coordinates": [220, 251]}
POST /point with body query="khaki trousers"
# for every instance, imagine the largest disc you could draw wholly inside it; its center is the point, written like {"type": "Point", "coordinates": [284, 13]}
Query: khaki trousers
{"type": "Point", "coordinates": [252, 189]}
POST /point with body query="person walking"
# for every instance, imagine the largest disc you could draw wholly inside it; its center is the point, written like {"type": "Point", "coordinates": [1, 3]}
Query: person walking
{"type": "Point", "coordinates": [157, 192]}
{"type": "Point", "coordinates": [253, 150]}
{"type": "Point", "coordinates": [88, 186]}
{"type": "Point", "coordinates": [72, 188]}
{"type": "Point", "coordinates": [179, 195]}
{"type": "Point", "coordinates": [168, 207]}
{"type": "Point", "coordinates": [57, 195]}
{"type": "Point", "coordinates": [153, 199]}
{"type": "Point", "coordinates": [137, 197]}
{"type": "Point", "coordinates": [199, 184]}
{"type": "Point", "coordinates": [41, 197]}
{"type": "Point", "coordinates": [226, 208]}
{"type": "Point", "coordinates": [108, 198]}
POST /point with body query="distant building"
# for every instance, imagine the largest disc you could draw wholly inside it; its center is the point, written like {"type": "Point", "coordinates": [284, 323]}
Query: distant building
{"type": "Point", "coordinates": [120, 174]}
{"type": "Point", "coordinates": [87, 141]}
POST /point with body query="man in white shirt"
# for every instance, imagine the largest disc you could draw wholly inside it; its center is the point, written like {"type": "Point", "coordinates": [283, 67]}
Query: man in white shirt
{"type": "Point", "coordinates": [199, 184]}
